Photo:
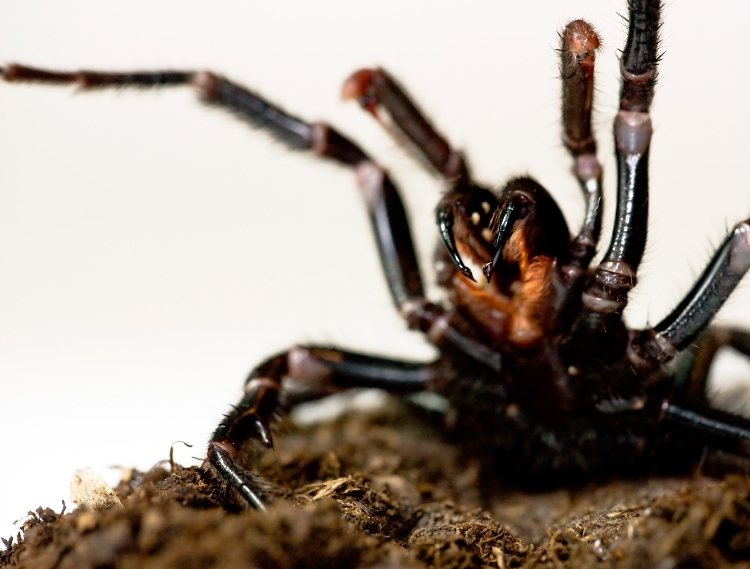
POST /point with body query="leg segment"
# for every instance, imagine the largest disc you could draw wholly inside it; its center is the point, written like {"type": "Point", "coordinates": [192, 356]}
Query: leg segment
{"type": "Point", "coordinates": [380, 95]}
{"type": "Point", "coordinates": [606, 297]}
{"type": "Point", "coordinates": [692, 366]}
{"type": "Point", "coordinates": [578, 52]}
{"type": "Point", "coordinates": [386, 209]}
{"type": "Point", "coordinates": [718, 429]}
{"type": "Point", "coordinates": [94, 79]}
{"type": "Point", "coordinates": [314, 372]}
{"type": "Point", "coordinates": [615, 276]}
{"type": "Point", "coordinates": [688, 408]}
{"type": "Point", "coordinates": [387, 214]}
{"type": "Point", "coordinates": [675, 332]}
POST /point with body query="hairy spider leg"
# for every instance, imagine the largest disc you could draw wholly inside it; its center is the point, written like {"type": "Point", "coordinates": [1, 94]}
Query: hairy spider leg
{"type": "Point", "coordinates": [314, 373]}
{"type": "Point", "coordinates": [599, 327]}
{"type": "Point", "coordinates": [692, 315]}
{"type": "Point", "coordinates": [716, 428]}
{"type": "Point", "coordinates": [380, 95]}
{"type": "Point", "coordinates": [577, 58]}
{"type": "Point", "coordinates": [689, 407]}
{"type": "Point", "coordinates": [682, 327]}
{"type": "Point", "coordinates": [385, 207]}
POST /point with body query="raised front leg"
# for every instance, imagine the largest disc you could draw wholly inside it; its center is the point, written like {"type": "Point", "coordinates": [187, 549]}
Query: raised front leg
{"type": "Point", "coordinates": [313, 372]}
{"type": "Point", "coordinates": [600, 325]}
{"type": "Point", "coordinates": [578, 54]}
{"type": "Point", "coordinates": [386, 209]}
{"type": "Point", "coordinates": [380, 95]}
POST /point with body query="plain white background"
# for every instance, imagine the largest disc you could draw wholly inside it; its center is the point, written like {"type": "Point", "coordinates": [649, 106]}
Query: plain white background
{"type": "Point", "coordinates": [152, 251]}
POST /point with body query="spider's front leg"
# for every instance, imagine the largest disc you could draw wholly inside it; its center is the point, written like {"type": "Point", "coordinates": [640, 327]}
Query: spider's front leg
{"type": "Point", "coordinates": [313, 372]}
{"type": "Point", "coordinates": [329, 369]}
{"type": "Point", "coordinates": [578, 53]}
{"type": "Point", "coordinates": [599, 327]}
{"type": "Point", "coordinates": [390, 223]}
{"type": "Point", "coordinates": [380, 95]}
{"type": "Point", "coordinates": [386, 209]}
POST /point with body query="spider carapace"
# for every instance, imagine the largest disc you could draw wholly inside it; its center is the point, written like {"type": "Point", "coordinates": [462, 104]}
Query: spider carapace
{"type": "Point", "coordinates": [542, 373]}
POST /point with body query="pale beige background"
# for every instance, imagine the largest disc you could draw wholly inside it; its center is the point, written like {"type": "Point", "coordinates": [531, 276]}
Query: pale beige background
{"type": "Point", "coordinates": [152, 251]}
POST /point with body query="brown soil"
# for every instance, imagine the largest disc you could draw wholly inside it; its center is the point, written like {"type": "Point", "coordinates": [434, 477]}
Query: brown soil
{"type": "Point", "coordinates": [384, 490]}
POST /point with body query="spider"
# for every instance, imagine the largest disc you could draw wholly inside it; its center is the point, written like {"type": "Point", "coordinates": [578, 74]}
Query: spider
{"type": "Point", "coordinates": [535, 356]}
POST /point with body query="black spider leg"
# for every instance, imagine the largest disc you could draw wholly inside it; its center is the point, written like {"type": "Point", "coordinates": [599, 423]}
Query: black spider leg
{"type": "Point", "coordinates": [717, 429]}
{"type": "Point", "coordinates": [312, 372]}
{"type": "Point", "coordinates": [692, 365]}
{"type": "Point", "coordinates": [689, 406]}
{"type": "Point", "coordinates": [692, 315]}
{"type": "Point", "coordinates": [379, 94]}
{"type": "Point", "coordinates": [385, 207]}
{"type": "Point", "coordinates": [676, 332]}
{"type": "Point", "coordinates": [387, 214]}
{"type": "Point", "coordinates": [578, 53]}
{"type": "Point", "coordinates": [599, 327]}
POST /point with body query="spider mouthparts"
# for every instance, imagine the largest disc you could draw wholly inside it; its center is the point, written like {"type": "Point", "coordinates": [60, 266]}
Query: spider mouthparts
{"type": "Point", "coordinates": [466, 271]}
{"type": "Point", "coordinates": [445, 223]}
{"type": "Point", "coordinates": [487, 270]}
{"type": "Point", "coordinates": [264, 432]}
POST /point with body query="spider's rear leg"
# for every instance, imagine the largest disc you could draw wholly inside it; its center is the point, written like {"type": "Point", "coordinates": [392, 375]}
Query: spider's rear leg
{"type": "Point", "coordinates": [656, 346]}
{"type": "Point", "coordinates": [691, 316]}
{"type": "Point", "coordinates": [692, 366]}
{"type": "Point", "coordinates": [314, 372]}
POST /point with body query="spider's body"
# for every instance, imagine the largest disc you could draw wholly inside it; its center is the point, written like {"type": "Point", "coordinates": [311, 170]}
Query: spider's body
{"type": "Point", "coordinates": [541, 371]}
{"type": "Point", "coordinates": [534, 414]}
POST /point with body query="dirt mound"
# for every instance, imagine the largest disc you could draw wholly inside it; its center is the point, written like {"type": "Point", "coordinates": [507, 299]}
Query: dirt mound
{"type": "Point", "coordinates": [384, 490]}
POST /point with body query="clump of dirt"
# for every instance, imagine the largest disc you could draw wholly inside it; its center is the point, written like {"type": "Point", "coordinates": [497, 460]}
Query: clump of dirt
{"type": "Point", "coordinates": [384, 490]}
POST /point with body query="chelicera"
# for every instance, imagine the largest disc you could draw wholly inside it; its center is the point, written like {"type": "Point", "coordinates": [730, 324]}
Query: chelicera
{"type": "Point", "coordinates": [535, 360]}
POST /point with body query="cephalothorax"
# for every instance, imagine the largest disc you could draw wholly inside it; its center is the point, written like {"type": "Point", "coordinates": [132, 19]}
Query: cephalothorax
{"type": "Point", "coordinates": [535, 357]}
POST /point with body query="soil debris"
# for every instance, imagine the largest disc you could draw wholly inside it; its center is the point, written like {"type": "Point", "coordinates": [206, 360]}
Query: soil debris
{"type": "Point", "coordinates": [384, 490]}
